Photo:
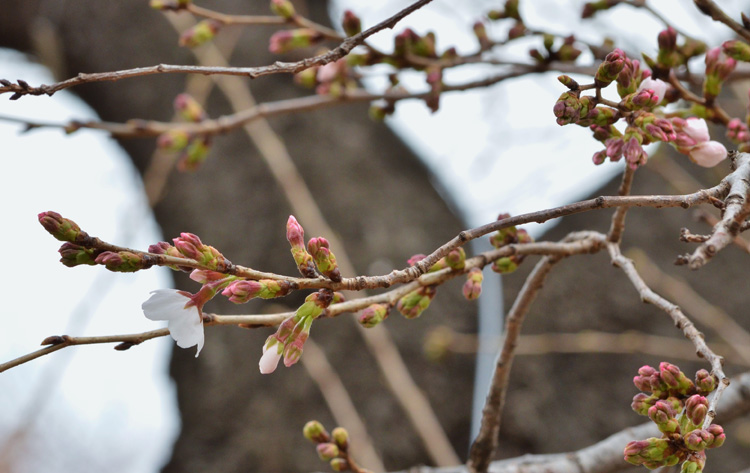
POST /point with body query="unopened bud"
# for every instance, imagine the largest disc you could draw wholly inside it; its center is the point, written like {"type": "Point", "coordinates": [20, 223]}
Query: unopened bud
{"type": "Point", "coordinates": [414, 303]}
{"type": "Point", "coordinates": [289, 40]}
{"type": "Point", "coordinates": [696, 408]}
{"type": "Point", "coordinates": [282, 8]}
{"type": "Point", "coordinates": [341, 437]}
{"type": "Point", "coordinates": [315, 432]}
{"type": "Point", "coordinates": [737, 49]}
{"type": "Point", "coordinates": [340, 464]}
{"type": "Point", "coordinates": [373, 315]}
{"type": "Point", "coordinates": [705, 381]}
{"type": "Point", "coordinates": [195, 154]}
{"type": "Point", "coordinates": [327, 451]}
{"type": "Point", "coordinates": [201, 33]}
{"type": "Point", "coordinates": [473, 286]}
{"type": "Point", "coordinates": [351, 23]}
{"type": "Point", "coordinates": [324, 258]}
{"type": "Point", "coordinates": [718, 434]}
{"type": "Point", "coordinates": [173, 140]}
{"type": "Point", "coordinates": [189, 108]}
{"type": "Point", "coordinates": [122, 261]}
{"type": "Point", "coordinates": [60, 227]}
{"type": "Point", "coordinates": [456, 258]}
{"type": "Point", "coordinates": [74, 255]}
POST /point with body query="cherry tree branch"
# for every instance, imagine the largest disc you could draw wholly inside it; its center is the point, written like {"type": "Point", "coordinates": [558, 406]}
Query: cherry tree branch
{"type": "Point", "coordinates": [21, 87]}
{"type": "Point", "coordinates": [681, 321]}
{"type": "Point", "coordinates": [736, 211]}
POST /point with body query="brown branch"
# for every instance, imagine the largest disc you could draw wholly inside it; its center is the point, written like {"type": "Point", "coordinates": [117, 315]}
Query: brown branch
{"type": "Point", "coordinates": [59, 342]}
{"type": "Point", "coordinates": [681, 321]}
{"type": "Point", "coordinates": [487, 440]}
{"type": "Point", "coordinates": [618, 219]}
{"type": "Point", "coordinates": [712, 220]}
{"type": "Point", "coordinates": [736, 211]}
{"type": "Point", "coordinates": [710, 8]}
{"type": "Point", "coordinates": [587, 342]}
{"type": "Point", "coordinates": [22, 88]}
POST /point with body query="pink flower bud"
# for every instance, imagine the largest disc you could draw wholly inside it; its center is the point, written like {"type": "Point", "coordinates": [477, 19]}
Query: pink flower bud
{"type": "Point", "coordinates": [189, 108]}
{"type": "Point", "coordinates": [289, 40]}
{"type": "Point", "coordinates": [719, 437]}
{"type": "Point", "coordinates": [708, 154]}
{"type": "Point", "coordinates": [74, 255]}
{"type": "Point", "coordinates": [657, 86]}
{"type": "Point", "coordinates": [61, 228]}
{"type": "Point", "coordinates": [737, 50]}
{"type": "Point", "coordinates": [295, 234]}
{"type": "Point", "coordinates": [696, 408]}
{"type": "Point", "coordinates": [705, 381]}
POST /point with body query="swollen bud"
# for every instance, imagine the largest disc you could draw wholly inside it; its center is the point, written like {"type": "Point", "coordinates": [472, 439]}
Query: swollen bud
{"type": "Point", "coordinates": [289, 40]}
{"type": "Point", "coordinates": [414, 303]}
{"type": "Point", "coordinates": [315, 432]}
{"type": "Point", "coordinates": [327, 451]}
{"type": "Point", "coordinates": [189, 108]}
{"type": "Point", "coordinates": [473, 286]}
{"type": "Point", "coordinates": [341, 437]}
{"type": "Point", "coordinates": [61, 228]}
{"type": "Point", "coordinates": [74, 255]}
{"type": "Point", "coordinates": [203, 32]}
{"type": "Point", "coordinates": [705, 381]}
{"type": "Point", "coordinates": [324, 258]}
{"type": "Point", "coordinates": [295, 234]}
{"type": "Point", "coordinates": [282, 8]}
{"type": "Point", "coordinates": [340, 464]}
{"type": "Point", "coordinates": [351, 23]}
{"type": "Point", "coordinates": [373, 315]}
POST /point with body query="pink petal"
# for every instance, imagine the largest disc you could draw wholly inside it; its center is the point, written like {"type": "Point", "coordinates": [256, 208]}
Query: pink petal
{"type": "Point", "coordinates": [270, 360]}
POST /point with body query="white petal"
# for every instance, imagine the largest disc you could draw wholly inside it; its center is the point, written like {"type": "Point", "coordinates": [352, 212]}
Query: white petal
{"type": "Point", "coordinates": [164, 304]}
{"type": "Point", "coordinates": [187, 330]}
{"type": "Point", "coordinates": [657, 85]}
{"type": "Point", "coordinates": [270, 360]}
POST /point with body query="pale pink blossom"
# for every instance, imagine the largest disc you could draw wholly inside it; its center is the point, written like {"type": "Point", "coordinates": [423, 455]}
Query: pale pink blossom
{"type": "Point", "coordinates": [697, 129]}
{"type": "Point", "coordinates": [708, 154]}
{"type": "Point", "coordinates": [184, 319]}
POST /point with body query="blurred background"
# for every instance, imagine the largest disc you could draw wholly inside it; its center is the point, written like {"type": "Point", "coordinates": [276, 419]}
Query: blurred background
{"type": "Point", "coordinates": [387, 191]}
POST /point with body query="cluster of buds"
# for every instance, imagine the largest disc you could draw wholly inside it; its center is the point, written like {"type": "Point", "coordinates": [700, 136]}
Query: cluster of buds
{"type": "Point", "coordinates": [317, 253]}
{"type": "Point", "coordinates": [373, 315]}
{"type": "Point", "coordinates": [288, 40]}
{"type": "Point", "coordinates": [332, 448]}
{"type": "Point", "coordinates": [80, 249]}
{"type": "Point", "coordinates": [510, 11]}
{"type": "Point", "coordinates": [504, 237]}
{"type": "Point", "coordinates": [290, 337]}
{"type": "Point", "coordinates": [193, 149]}
{"type": "Point", "coordinates": [200, 33]}
{"type": "Point", "coordinates": [472, 288]}
{"type": "Point", "coordinates": [566, 52]}
{"type": "Point", "coordinates": [678, 407]}
{"type": "Point", "coordinates": [190, 246]}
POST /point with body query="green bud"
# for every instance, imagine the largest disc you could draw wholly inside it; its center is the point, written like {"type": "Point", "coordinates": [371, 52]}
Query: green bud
{"type": "Point", "coordinates": [341, 437]}
{"type": "Point", "coordinates": [327, 451]}
{"type": "Point", "coordinates": [203, 32]}
{"type": "Point", "coordinates": [282, 8]}
{"type": "Point", "coordinates": [339, 464]}
{"type": "Point", "coordinates": [315, 432]}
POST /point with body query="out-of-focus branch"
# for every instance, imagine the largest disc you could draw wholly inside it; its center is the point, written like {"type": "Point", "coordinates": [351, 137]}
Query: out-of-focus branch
{"type": "Point", "coordinates": [21, 88]}
{"type": "Point", "coordinates": [586, 342]}
{"type": "Point", "coordinates": [703, 311]}
{"type": "Point", "coordinates": [680, 320]}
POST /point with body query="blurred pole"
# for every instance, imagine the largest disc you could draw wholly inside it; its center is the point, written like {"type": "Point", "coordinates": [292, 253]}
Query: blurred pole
{"type": "Point", "coordinates": [489, 328]}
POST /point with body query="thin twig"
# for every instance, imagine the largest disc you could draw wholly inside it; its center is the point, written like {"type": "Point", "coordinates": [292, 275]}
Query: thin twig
{"type": "Point", "coordinates": [587, 342]}
{"type": "Point", "coordinates": [680, 320]}
{"type": "Point", "coordinates": [22, 88]}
